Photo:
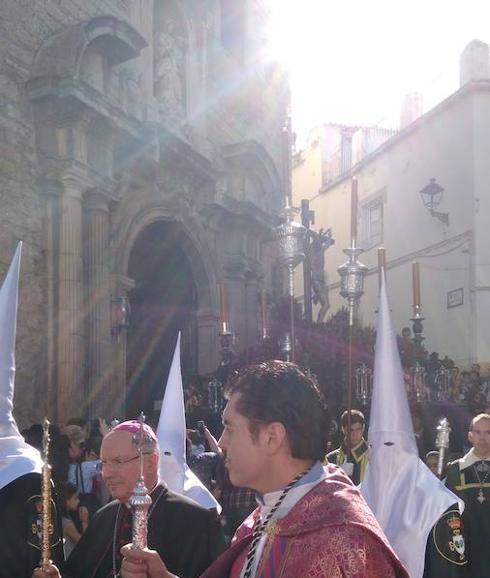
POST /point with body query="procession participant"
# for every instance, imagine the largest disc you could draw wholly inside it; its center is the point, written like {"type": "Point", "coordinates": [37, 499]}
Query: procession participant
{"type": "Point", "coordinates": [273, 442]}
{"type": "Point", "coordinates": [354, 464]}
{"type": "Point", "coordinates": [432, 461]}
{"type": "Point", "coordinates": [20, 526]}
{"type": "Point", "coordinates": [445, 553]}
{"type": "Point", "coordinates": [20, 463]}
{"type": "Point", "coordinates": [185, 534]}
{"type": "Point", "coordinates": [406, 498]}
{"type": "Point", "coordinates": [469, 478]}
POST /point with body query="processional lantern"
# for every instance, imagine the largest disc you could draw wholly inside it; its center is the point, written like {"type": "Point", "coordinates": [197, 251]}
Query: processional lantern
{"type": "Point", "coordinates": [418, 382]}
{"type": "Point", "coordinates": [352, 274]}
{"type": "Point", "coordinates": [418, 373]}
{"type": "Point", "coordinates": [443, 383]}
{"type": "Point", "coordinates": [290, 235]}
{"type": "Point", "coordinates": [364, 383]}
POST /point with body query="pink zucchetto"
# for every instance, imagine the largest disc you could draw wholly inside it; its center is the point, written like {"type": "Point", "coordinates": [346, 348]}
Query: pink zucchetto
{"type": "Point", "coordinates": [133, 426]}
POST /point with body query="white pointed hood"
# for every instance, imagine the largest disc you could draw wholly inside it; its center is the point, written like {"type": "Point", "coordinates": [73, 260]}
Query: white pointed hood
{"type": "Point", "coordinates": [405, 496]}
{"type": "Point", "coordinates": [171, 433]}
{"type": "Point", "coordinates": [17, 458]}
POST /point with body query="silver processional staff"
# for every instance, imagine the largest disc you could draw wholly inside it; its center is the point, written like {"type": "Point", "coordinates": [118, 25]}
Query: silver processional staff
{"type": "Point", "coordinates": [140, 501]}
{"type": "Point", "coordinates": [442, 443]}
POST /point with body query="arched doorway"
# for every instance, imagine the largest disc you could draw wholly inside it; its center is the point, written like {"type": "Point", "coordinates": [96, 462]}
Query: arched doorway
{"type": "Point", "coordinates": [163, 302]}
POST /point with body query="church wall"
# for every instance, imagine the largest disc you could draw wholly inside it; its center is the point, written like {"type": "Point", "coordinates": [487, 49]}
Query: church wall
{"type": "Point", "coordinates": [229, 103]}
{"type": "Point", "coordinates": [23, 200]}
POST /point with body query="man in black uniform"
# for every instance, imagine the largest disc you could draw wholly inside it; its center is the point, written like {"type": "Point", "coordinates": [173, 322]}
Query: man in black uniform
{"type": "Point", "coordinates": [469, 478]}
{"type": "Point", "coordinates": [20, 528]}
{"type": "Point", "coordinates": [20, 463]}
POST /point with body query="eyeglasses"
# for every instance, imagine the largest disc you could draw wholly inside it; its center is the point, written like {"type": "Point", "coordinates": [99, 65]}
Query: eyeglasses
{"type": "Point", "coordinates": [116, 463]}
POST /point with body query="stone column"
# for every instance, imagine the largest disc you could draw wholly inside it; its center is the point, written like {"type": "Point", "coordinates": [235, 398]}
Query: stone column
{"type": "Point", "coordinates": [252, 309]}
{"type": "Point", "coordinates": [237, 301]}
{"type": "Point", "coordinates": [70, 355]}
{"type": "Point", "coordinates": [100, 364]}
{"type": "Point", "coordinates": [208, 346]}
{"type": "Point", "coordinates": [52, 194]}
{"type": "Point", "coordinates": [124, 286]}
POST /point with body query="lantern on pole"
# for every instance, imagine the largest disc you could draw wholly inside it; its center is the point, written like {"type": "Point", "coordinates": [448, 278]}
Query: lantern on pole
{"type": "Point", "coordinates": [290, 236]}
{"type": "Point", "coordinates": [352, 274]}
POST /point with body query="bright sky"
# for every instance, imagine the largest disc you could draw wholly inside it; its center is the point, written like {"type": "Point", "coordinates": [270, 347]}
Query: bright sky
{"type": "Point", "coordinates": [352, 61]}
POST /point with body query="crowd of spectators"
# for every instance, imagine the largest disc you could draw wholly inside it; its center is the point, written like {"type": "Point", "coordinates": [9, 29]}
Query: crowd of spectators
{"type": "Point", "coordinates": [74, 458]}
{"type": "Point", "coordinates": [80, 489]}
{"type": "Point", "coordinates": [445, 381]}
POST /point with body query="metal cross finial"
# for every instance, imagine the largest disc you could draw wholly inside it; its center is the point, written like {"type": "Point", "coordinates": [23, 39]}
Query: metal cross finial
{"type": "Point", "coordinates": [143, 442]}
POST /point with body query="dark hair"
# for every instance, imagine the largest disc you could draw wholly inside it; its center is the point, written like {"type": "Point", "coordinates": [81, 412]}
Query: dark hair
{"type": "Point", "coordinates": [35, 436]}
{"type": "Point", "coordinates": [432, 454]}
{"type": "Point", "coordinates": [278, 391]}
{"type": "Point", "coordinates": [93, 444]}
{"type": "Point", "coordinates": [65, 491]}
{"type": "Point", "coordinates": [79, 421]}
{"type": "Point", "coordinates": [356, 416]}
{"type": "Point", "coordinates": [60, 459]}
{"type": "Point", "coordinates": [68, 490]}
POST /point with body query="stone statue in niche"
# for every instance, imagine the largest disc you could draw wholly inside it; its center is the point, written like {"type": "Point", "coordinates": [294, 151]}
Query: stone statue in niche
{"type": "Point", "coordinates": [169, 65]}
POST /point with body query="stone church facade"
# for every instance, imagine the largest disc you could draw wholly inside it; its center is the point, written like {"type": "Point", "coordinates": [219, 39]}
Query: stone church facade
{"type": "Point", "coordinates": [140, 163]}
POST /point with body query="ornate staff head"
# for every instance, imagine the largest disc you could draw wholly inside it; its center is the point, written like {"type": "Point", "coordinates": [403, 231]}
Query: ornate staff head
{"type": "Point", "coordinates": [442, 442]}
{"type": "Point", "coordinates": [140, 501]}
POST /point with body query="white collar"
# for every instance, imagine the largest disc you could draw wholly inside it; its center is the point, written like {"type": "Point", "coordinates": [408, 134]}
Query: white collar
{"type": "Point", "coordinates": [469, 459]}
{"type": "Point", "coordinates": [267, 501]}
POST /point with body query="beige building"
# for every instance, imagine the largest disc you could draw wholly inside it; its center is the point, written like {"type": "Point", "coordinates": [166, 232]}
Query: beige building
{"type": "Point", "coordinates": [140, 157]}
{"type": "Point", "coordinates": [447, 148]}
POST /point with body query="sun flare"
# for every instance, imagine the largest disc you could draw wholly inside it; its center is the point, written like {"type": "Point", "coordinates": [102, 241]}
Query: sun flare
{"type": "Point", "coordinates": [352, 62]}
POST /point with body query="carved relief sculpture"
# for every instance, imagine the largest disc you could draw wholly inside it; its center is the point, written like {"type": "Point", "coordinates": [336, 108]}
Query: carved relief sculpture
{"type": "Point", "coordinates": [169, 66]}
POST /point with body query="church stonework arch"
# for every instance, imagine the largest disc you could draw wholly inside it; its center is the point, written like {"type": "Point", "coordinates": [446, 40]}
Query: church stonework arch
{"type": "Point", "coordinates": [203, 270]}
{"type": "Point", "coordinates": [202, 262]}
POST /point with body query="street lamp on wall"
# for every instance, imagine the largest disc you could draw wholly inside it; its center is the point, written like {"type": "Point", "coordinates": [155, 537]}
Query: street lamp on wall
{"type": "Point", "coordinates": [431, 197]}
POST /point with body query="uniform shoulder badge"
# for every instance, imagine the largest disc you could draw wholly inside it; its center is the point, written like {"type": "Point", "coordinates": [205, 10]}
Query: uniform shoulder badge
{"type": "Point", "coordinates": [449, 537]}
{"type": "Point", "coordinates": [33, 511]}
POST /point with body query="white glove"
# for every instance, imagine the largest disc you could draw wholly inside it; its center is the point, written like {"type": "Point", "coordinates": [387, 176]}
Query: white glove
{"type": "Point", "coordinates": [348, 467]}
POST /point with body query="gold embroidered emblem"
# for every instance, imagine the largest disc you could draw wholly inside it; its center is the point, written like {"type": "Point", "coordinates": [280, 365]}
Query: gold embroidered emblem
{"type": "Point", "coordinates": [272, 530]}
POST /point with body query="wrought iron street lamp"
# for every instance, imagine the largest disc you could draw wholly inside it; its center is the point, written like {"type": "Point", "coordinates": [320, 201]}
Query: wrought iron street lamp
{"type": "Point", "coordinates": [431, 197]}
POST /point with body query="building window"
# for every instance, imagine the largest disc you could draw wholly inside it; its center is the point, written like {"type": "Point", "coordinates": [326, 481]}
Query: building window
{"type": "Point", "coordinates": [372, 221]}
